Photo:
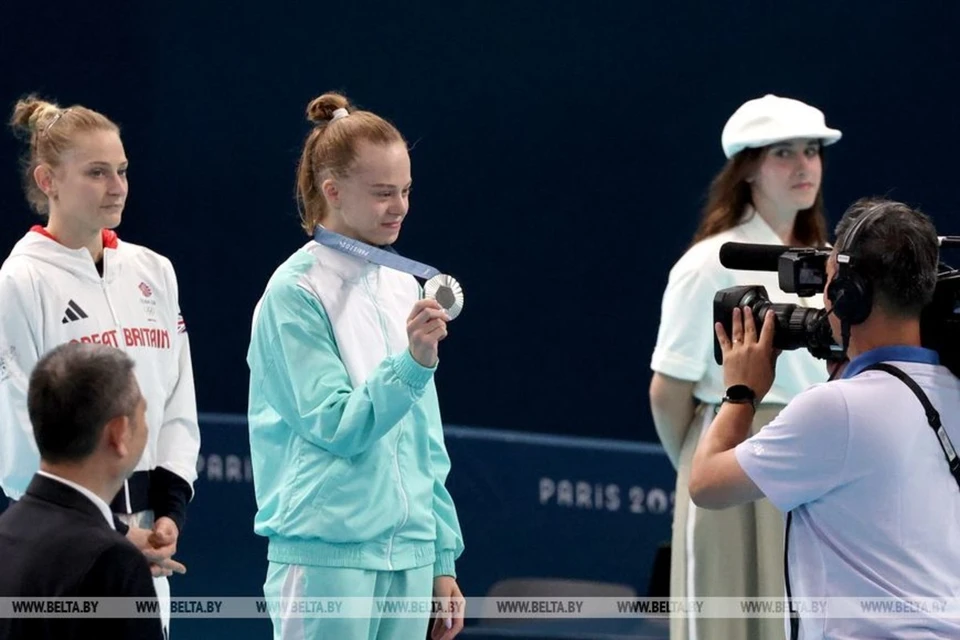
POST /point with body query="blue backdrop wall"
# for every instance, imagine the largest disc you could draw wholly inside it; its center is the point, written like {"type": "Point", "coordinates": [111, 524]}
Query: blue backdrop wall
{"type": "Point", "coordinates": [561, 152]}
{"type": "Point", "coordinates": [560, 155]}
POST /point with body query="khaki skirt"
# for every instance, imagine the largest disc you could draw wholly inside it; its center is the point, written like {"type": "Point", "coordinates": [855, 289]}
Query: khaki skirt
{"type": "Point", "coordinates": [732, 553]}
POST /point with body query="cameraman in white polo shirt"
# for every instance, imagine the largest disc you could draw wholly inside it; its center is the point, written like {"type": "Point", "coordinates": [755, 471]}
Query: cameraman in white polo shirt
{"type": "Point", "coordinates": [873, 509]}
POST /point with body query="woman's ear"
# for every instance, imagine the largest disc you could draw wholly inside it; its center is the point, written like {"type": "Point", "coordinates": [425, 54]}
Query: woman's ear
{"type": "Point", "coordinates": [331, 191]}
{"type": "Point", "coordinates": [43, 176]}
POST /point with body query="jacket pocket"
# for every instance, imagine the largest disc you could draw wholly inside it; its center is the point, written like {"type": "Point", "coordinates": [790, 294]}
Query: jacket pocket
{"type": "Point", "coordinates": [362, 502]}
{"type": "Point", "coordinates": [316, 476]}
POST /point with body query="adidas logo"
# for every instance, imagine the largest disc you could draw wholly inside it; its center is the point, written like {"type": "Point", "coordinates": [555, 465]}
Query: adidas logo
{"type": "Point", "coordinates": [73, 313]}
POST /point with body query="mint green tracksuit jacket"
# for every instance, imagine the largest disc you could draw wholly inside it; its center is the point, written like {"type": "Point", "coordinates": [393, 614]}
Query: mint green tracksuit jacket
{"type": "Point", "coordinates": [346, 440]}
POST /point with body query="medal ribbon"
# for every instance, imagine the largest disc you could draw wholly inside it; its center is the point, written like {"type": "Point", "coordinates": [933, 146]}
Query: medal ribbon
{"type": "Point", "coordinates": [367, 252]}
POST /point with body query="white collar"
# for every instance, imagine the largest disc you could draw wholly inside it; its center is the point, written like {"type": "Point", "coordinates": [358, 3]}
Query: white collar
{"type": "Point", "coordinates": [756, 228]}
{"type": "Point", "coordinates": [94, 498]}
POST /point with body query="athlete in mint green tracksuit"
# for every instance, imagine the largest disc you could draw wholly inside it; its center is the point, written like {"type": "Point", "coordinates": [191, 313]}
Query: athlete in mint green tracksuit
{"type": "Point", "coordinates": [346, 437]}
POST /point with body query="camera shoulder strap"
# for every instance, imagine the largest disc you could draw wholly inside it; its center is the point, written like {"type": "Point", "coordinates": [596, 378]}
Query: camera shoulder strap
{"type": "Point", "coordinates": [793, 613]}
{"type": "Point", "coordinates": [933, 418]}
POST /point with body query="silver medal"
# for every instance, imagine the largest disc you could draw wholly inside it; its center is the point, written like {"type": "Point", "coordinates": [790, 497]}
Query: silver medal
{"type": "Point", "coordinates": [445, 290]}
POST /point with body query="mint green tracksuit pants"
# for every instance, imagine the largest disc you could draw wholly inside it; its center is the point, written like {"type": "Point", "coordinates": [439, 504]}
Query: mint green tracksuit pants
{"type": "Point", "coordinates": [287, 581]}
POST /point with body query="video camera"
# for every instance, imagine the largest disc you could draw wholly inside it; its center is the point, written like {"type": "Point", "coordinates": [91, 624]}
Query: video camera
{"type": "Point", "coordinates": [803, 271]}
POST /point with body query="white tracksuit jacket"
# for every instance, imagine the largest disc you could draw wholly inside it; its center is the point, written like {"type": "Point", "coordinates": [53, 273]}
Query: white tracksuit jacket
{"type": "Point", "coordinates": [49, 295]}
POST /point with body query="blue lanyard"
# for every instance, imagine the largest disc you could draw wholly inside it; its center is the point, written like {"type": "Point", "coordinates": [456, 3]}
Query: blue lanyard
{"type": "Point", "coordinates": [352, 247]}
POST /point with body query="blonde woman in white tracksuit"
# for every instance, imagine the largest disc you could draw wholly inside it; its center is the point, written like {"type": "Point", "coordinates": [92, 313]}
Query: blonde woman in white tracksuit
{"type": "Point", "coordinates": [73, 280]}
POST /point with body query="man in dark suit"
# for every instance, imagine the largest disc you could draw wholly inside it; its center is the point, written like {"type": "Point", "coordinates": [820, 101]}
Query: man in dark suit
{"type": "Point", "coordinates": [60, 540]}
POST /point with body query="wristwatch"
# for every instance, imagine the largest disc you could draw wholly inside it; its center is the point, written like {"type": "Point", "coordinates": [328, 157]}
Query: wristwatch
{"type": "Point", "coordinates": [741, 394]}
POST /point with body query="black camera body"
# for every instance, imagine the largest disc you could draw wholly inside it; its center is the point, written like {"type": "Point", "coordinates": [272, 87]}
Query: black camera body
{"type": "Point", "coordinates": [803, 272]}
{"type": "Point", "coordinates": [940, 321]}
{"type": "Point", "coordinates": [800, 271]}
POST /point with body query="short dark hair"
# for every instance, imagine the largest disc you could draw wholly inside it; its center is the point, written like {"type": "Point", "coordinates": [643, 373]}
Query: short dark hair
{"type": "Point", "coordinates": [897, 250]}
{"type": "Point", "coordinates": [75, 389]}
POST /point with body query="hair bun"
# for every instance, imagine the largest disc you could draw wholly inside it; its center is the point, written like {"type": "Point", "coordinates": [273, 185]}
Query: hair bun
{"type": "Point", "coordinates": [320, 110]}
{"type": "Point", "coordinates": [32, 114]}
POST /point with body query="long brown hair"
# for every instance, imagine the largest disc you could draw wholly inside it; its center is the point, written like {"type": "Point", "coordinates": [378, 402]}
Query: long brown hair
{"type": "Point", "coordinates": [331, 149]}
{"type": "Point", "coordinates": [730, 195]}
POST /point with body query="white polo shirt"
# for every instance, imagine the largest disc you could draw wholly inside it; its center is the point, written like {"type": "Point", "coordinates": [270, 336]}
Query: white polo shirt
{"type": "Point", "coordinates": [684, 347]}
{"type": "Point", "coordinates": [876, 512]}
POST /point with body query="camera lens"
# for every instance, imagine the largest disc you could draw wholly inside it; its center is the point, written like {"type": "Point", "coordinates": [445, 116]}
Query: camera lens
{"type": "Point", "coordinates": [796, 327]}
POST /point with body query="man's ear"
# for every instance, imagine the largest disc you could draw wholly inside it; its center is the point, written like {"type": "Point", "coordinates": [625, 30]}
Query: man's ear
{"type": "Point", "coordinates": [116, 434]}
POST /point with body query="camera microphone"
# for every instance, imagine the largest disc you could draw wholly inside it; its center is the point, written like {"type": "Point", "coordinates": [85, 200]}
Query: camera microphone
{"type": "Point", "coordinates": [751, 257]}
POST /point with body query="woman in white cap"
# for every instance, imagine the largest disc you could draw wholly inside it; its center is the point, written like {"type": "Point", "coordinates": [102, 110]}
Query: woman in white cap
{"type": "Point", "coordinates": [769, 192]}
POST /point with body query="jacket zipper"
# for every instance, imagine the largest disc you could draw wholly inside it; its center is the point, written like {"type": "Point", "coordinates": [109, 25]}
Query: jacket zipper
{"type": "Point", "coordinates": [120, 341]}
{"type": "Point", "coordinates": [396, 446]}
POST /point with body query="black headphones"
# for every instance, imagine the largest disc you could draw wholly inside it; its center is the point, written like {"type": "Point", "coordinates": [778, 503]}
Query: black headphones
{"type": "Point", "coordinates": [850, 292]}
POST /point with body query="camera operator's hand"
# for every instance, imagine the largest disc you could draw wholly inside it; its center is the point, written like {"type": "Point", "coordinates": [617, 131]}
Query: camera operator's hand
{"type": "Point", "coordinates": [749, 359]}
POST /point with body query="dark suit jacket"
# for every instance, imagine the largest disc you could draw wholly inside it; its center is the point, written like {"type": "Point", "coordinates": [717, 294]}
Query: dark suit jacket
{"type": "Point", "coordinates": [55, 543]}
